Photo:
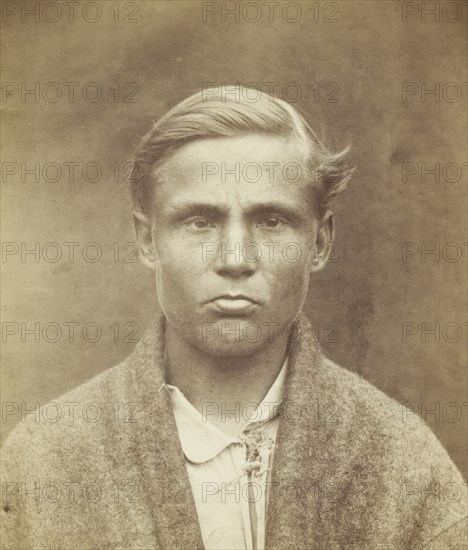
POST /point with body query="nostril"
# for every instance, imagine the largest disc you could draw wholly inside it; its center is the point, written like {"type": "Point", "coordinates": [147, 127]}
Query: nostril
{"type": "Point", "coordinates": [235, 270]}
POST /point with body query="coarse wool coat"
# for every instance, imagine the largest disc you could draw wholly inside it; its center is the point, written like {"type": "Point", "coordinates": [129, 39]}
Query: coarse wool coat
{"type": "Point", "coordinates": [350, 469]}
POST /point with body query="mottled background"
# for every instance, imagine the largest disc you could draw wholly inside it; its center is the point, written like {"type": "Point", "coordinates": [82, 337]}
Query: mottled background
{"type": "Point", "coordinates": [349, 60]}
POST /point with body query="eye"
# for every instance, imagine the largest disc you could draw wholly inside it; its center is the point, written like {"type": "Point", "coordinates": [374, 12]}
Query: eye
{"type": "Point", "coordinates": [272, 222]}
{"type": "Point", "coordinates": [199, 224]}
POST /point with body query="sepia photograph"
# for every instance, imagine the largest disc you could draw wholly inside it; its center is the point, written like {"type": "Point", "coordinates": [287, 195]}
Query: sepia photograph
{"type": "Point", "coordinates": [234, 275]}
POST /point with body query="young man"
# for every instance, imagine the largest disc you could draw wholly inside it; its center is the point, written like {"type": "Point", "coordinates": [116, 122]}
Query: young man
{"type": "Point", "coordinates": [242, 435]}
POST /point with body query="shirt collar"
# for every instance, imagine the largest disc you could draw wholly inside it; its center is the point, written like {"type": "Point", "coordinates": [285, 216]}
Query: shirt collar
{"type": "Point", "coordinates": [200, 440]}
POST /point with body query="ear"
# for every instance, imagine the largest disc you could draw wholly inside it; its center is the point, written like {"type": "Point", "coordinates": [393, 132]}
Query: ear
{"type": "Point", "coordinates": [323, 242]}
{"type": "Point", "coordinates": [144, 238]}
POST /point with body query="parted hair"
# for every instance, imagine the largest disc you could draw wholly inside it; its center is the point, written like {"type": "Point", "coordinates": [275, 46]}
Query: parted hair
{"type": "Point", "coordinates": [225, 112]}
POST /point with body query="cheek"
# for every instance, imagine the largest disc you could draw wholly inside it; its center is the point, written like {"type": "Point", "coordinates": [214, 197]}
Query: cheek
{"type": "Point", "coordinates": [176, 272]}
{"type": "Point", "coordinates": [173, 291]}
{"type": "Point", "coordinates": [178, 254]}
{"type": "Point", "coordinates": [290, 277]}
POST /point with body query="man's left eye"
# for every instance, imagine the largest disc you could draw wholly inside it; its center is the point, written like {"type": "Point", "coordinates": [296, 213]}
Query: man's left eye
{"type": "Point", "coordinates": [272, 222]}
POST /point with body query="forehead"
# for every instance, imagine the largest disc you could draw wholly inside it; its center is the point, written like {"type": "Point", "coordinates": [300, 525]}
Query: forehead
{"type": "Point", "coordinates": [244, 169]}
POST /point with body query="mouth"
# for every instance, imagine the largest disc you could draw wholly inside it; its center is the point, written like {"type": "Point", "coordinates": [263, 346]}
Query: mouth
{"type": "Point", "coordinates": [233, 304]}
{"type": "Point", "coordinates": [235, 297]}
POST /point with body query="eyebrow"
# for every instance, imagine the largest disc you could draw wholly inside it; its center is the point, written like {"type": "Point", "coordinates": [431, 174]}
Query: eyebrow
{"type": "Point", "coordinates": [181, 210]}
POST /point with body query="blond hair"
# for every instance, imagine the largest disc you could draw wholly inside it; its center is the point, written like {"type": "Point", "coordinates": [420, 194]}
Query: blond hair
{"type": "Point", "coordinates": [215, 113]}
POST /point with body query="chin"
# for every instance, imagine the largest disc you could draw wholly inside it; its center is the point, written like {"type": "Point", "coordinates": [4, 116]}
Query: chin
{"type": "Point", "coordinates": [229, 348]}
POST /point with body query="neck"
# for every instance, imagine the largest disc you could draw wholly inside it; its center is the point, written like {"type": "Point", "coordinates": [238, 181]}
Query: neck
{"type": "Point", "coordinates": [221, 385]}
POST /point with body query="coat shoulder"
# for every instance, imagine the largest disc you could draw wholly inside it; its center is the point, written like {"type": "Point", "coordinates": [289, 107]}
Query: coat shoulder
{"type": "Point", "coordinates": [387, 448]}
{"type": "Point", "coordinates": [372, 411]}
{"type": "Point", "coordinates": [93, 410]}
{"type": "Point", "coordinates": [388, 435]}
{"type": "Point", "coordinates": [80, 420]}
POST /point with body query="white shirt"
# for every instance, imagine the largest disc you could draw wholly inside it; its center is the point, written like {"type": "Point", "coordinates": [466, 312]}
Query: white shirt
{"type": "Point", "coordinates": [230, 475]}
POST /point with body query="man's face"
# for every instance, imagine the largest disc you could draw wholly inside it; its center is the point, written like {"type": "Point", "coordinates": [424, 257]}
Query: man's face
{"type": "Point", "coordinates": [233, 235]}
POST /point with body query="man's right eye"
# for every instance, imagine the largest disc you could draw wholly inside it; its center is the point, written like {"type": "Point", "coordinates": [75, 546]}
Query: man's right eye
{"type": "Point", "coordinates": [199, 224]}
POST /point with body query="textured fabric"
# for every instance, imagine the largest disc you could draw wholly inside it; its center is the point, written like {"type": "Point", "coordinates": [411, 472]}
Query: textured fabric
{"type": "Point", "coordinates": [230, 475]}
{"type": "Point", "coordinates": [348, 472]}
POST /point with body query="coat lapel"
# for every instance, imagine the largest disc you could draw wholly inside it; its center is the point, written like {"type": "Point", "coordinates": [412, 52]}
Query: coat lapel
{"type": "Point", "coordinates": [157, 449]}
{"type": "Point", "coordinates": [303, 454]}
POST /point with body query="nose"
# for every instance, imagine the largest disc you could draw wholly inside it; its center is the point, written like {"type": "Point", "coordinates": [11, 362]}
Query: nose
{"type": "Point", "coordinates": [233, 258]}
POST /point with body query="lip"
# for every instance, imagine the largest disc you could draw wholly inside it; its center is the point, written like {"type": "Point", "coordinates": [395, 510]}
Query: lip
{"type": "Point", "coordinates": [234, 297]}
{"type": "Point", "coordinates": [233, 304]}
